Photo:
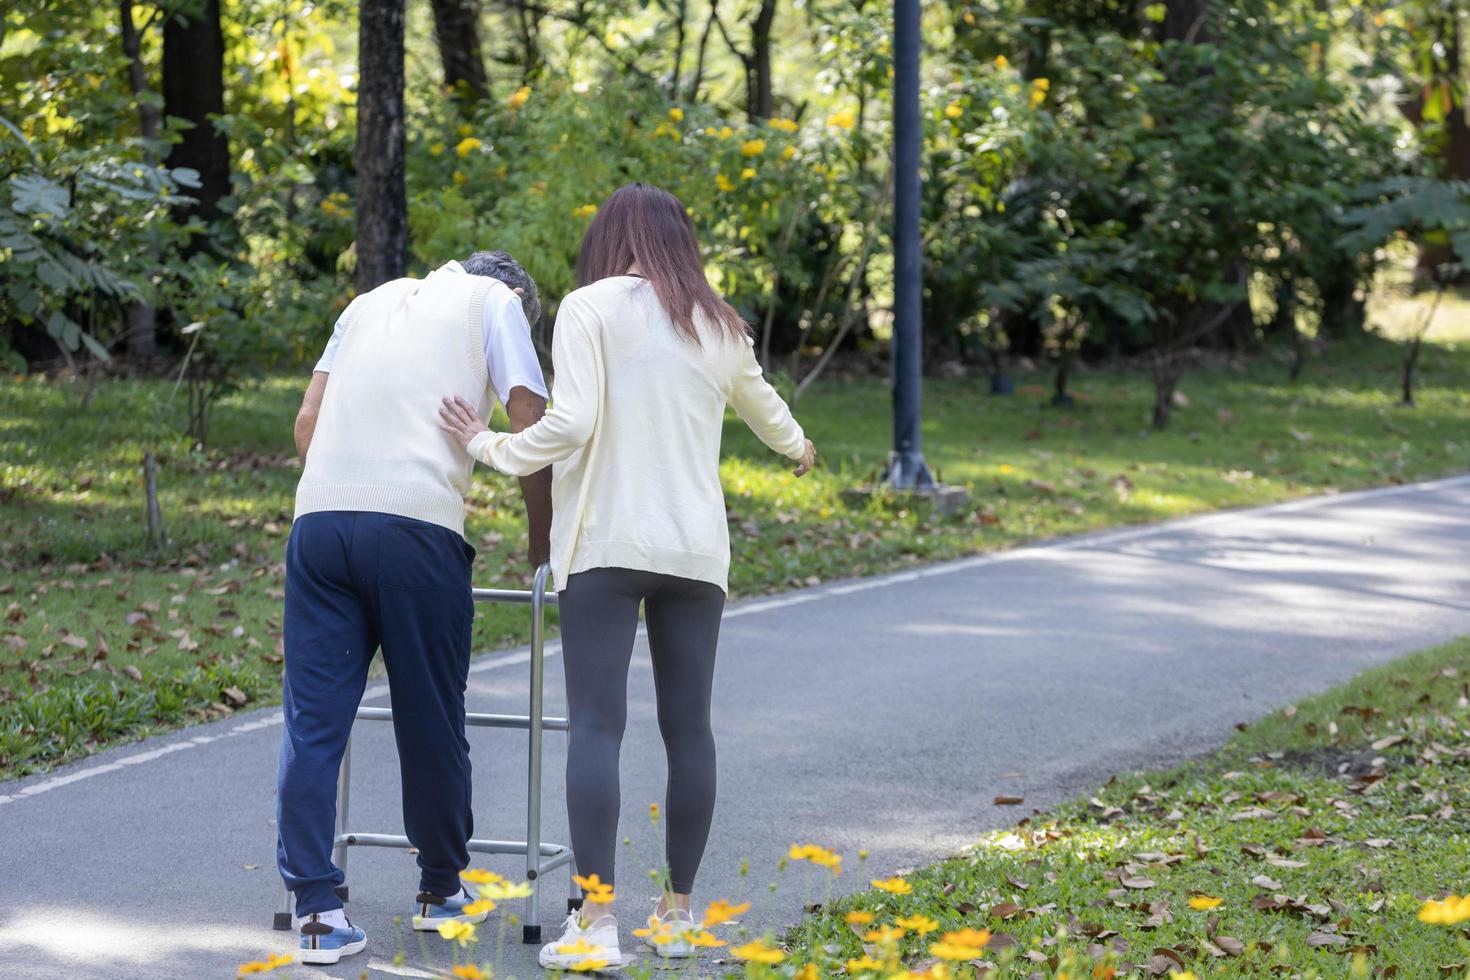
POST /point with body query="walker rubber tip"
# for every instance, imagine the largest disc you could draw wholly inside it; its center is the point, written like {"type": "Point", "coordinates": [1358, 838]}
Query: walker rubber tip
{"type": "Point", "coordinates": [281, 922]}
{"type": "Point", "coordinates": [531, 935]}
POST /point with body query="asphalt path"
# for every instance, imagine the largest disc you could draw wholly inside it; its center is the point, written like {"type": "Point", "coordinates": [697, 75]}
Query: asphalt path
{"type": "Point", "coordinates": [882, 714]}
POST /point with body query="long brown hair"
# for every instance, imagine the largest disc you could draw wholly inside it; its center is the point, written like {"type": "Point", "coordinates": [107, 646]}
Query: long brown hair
{"type": "Point", "coordinates": [646, 227]}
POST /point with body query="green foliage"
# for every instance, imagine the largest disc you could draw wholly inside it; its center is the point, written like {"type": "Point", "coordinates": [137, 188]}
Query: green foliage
{"type": "Point", "coordinates": [68, 240]}
{"type": "Point", "coordinates": [1433, 210]}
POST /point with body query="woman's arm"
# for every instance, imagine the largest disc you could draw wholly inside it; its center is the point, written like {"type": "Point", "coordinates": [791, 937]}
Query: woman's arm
{"type": "Point", "coordinates": [767, 414]}
{"type": "Point", "coordinates": [576, 356]}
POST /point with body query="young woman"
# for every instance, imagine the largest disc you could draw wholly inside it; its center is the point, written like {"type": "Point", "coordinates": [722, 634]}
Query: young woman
{"type": "Point", "coordinates": [647, 356]}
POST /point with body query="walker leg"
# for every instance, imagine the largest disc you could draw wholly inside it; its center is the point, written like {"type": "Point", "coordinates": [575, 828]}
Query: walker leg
{"type": "Point", "coordinates": [532, 930]}
{"type": "Point", "coordinates": [344, 799]}
{"type": "Point", "coordinates": [574, 897]}
{"type": "Point", "coordinates": [282, 919]}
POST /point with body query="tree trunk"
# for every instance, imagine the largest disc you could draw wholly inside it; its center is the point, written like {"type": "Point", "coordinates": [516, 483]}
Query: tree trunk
{"type": "Point", "coordinates": [698, 79]}
{"type": "Point", "coordinates": [194, 90]}
{"type": "Point", "coordinates": [1188, 20]}
{"type": "Point", "coordinates": [1168, 367]}
{"type": "Point", "coordinates": [681, 21]}
{"type": "Point", "coordinates": [1455, 164]}
{"type": "Point", "coordinates": [457, 29]}
{"type": "Point", "coordinates": [382, 208]}
{"type": "Point", "coordinates": [142, 318]}
{"type": "Point", "coordinates": [761, 98]}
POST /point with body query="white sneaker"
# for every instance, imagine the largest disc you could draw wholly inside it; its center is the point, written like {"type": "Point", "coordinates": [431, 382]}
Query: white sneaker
{"type": "Point", "coordinates": [671, 933]}
{"type": "Point", "coordinates": [595, 941]}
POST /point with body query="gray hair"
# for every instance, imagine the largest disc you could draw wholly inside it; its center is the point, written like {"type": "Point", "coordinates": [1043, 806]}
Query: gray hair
{"type": "Point", "coordinates": [503, 266]}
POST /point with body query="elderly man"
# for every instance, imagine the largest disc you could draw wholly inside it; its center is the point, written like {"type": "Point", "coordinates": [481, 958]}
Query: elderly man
{"type": "Point", "coordinates": [377, 558]}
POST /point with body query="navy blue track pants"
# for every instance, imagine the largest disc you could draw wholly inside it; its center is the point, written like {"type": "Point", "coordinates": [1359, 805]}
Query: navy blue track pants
{"type": "Point", "coordinates": [357, 581]}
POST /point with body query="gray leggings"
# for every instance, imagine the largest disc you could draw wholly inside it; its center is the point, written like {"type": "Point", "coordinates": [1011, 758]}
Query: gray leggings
{"type": "Point", "coordinates": [599, 619]}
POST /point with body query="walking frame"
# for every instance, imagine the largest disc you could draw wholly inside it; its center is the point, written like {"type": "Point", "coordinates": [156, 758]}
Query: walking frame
{"type": "Point", "coordinates": [541, 856]}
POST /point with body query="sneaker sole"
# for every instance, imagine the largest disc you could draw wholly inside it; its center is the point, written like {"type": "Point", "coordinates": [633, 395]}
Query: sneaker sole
{"type": "Point", "coordinates": [330, 955]}
{"type": "Point", "coordinates": [555, 962]}
{"type": "Point", "coordinates": [672, 951]}
{"type": "Point", "coordinates": [433, 922]}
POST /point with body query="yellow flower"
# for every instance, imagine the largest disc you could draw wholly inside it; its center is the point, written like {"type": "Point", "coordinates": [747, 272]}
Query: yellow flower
{"type": "Point", "coordinates": [653, 812]}
{"type": "Point", "coordinates": [1007, 468]}
{"type": "Point", "coordinates": [954, 951]}
{"type": "Point", "coordinates": [504, 890]}
{"type": "Point", "coordinates": [968, 937]}
{"type": "Point", "coordinates": [936, 971]}
{"type": "Point", "coordinates": [954, 110]}
{"type": "Point", "coordinates": [894, 886]}
{"type": "Point", "coordinates": [815, 853]}
{"type": "Point", "coordinates": [655, 928]}
{"type": "Point", "coordinates": [722, 911]}
{"type": "Point", "coordinates": [859, 917]}
{"type": "Point", "coordinates": [885, 935]}
{"type": "Point", "coordinates": [748, 173]}
{"type": "Point", "coordinates": [479, 905]}
{"type": "Point", "coordinates": [459, 932]}
{"type": "Point", "coordinates": [808, 972]}
{"type": "Point", "coordinates": [587, 966]}
{"type": "Point", "coordinates": [467, 146]}
{"type": "Point", "coordinates": [759, 952]}
{"type": "Point", "coordinates": [724, 183]}
{"type": "Point", "coordinates": [918, 922]}
{"type": "Point", "coordinates": [466, 129]}
{"type": "Point", "coordinates": [577, 948]}
{"type": "Point", "coordinates": [591, 883]}
{"type": "Point", "coordinates": [519, 97]}
{"type": "Point", "coordinates": [705, 938]}
{"type": "Point", "coordinates": [1002, 62]}
{"type": "Point", "coordinates": [1202, 903]}
{"type": "Point", "coordinates": [468, 971]}
{"type": "Point", "coordinates": [676, 114]}
{"type": "Point", "coordinates": [865, 965]}
{"type": "Point", "coordinates": [843, 119]}
{"type": "Point", "coordinates": [1451, 911]}
{"type": "Point", "coordinates": [1039, 88]}
{"type": "Point", "coordinates": [460, 178]}
{"type": "Point", "coordinates": [726, 133]}
{"type": "Point", "coordinates": [479, 876]}
{"type": "Point", "coordinates": [264, 966]}
{"type": "Point", "coordinates": [752, 148]}
{"type": "Point", "coordinates": [788, 153]}
{"type": "Point", "coordinates": [1186, 975]}
{"type": "Point", "coordinates": [584, 211]}
{"type": "Point", "coordinates": [600, 898]}
{"type": "Point", "coordinates": [784, 125]}
{"type": "Point", "coordinates": [436, 150]}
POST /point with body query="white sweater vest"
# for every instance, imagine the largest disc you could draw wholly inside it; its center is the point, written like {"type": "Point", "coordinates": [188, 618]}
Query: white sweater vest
{"type": "Point", "coordinates": [378, 445]}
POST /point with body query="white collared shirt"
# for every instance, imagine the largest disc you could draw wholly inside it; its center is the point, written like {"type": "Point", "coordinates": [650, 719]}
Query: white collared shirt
{"type": "Point", "coordinates": [510, 356]}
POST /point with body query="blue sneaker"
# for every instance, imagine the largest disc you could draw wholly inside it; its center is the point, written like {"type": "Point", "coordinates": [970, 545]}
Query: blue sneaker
{"type": "Point", "coordinates": [322, 943]}
{"type": "Point", "coordinates": [431, 911]}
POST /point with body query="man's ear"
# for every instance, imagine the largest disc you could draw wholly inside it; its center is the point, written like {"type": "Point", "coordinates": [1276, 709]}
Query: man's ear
{"type": "Point", "coordinates": [519, 291]}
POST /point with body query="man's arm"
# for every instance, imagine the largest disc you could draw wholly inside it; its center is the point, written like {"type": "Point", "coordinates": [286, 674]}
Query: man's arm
{"type": "Point", "coordinates": [311, 406]}
{"type": "Point", "coordinates": [525, 409]}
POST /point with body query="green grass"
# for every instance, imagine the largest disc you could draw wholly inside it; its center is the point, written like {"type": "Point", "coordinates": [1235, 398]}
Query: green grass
{"type": "Point", "coordinates": [75, 673]}
{"type": "Point", "coordinates": [1322, 829]}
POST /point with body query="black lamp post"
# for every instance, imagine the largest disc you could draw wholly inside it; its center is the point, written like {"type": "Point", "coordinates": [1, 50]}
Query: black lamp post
{"type": "Point", "coordinates": [906, 467]}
